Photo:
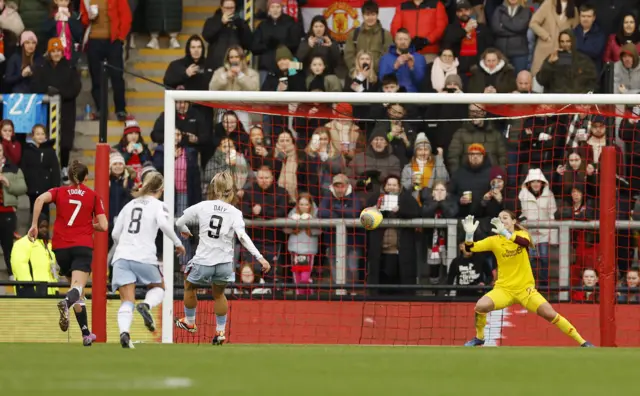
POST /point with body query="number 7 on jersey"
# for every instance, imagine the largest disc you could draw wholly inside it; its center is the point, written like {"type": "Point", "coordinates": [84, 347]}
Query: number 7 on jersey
{"type": "Point", "coordinates": [78, 205]}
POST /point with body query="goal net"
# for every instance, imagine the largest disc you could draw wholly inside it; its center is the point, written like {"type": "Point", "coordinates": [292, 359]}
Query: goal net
{"type": "Point", "coordinates": [306, 164]}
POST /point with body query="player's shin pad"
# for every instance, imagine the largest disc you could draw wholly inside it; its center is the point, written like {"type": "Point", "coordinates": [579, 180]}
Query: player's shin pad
{"type": "Point", "coordinates": [481, 322]}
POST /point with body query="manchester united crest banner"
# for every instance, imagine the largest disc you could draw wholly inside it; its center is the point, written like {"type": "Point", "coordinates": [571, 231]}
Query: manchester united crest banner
{"type": "Point", "coordinates": [345, 16]}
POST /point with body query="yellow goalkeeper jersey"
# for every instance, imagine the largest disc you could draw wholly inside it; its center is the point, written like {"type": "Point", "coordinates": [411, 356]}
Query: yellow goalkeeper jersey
{"type": "Point", "coordinates": [512, 255]}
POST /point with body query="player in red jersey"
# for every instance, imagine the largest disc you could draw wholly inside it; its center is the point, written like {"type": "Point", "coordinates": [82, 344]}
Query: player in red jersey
{"type": "Point", "coordinates": [77, 209]}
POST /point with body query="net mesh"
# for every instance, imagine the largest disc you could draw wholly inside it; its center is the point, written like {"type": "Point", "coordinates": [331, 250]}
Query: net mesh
{"type": "Point", "coordinates": [340, 159]}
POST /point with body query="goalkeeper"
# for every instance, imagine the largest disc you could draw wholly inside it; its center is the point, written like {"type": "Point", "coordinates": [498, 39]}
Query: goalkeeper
{"type": "Point", "coordinates": [515, 282]}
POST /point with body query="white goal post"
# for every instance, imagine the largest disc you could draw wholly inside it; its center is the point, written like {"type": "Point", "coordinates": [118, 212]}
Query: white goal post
{"type": "Point", "coordinates": [325, 97]}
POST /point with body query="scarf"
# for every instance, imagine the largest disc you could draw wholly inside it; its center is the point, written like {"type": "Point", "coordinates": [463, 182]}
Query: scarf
{"type": "Point", "coordinates": [290, 7]}
{"type": "Point", "coordinates": [436, 255]}
{"type": "Point", "coordinates": [288, 178]}
{"type": "Point", "coordinates": [426, 169]}
{"type": "Point", "coordinates": [440, 71]}
{"type": "Point", "coordinates": [64, 33]}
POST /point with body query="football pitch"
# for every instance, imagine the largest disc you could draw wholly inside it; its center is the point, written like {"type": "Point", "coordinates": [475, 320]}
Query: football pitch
{"type": "Point", "coordinates": [265, 370]}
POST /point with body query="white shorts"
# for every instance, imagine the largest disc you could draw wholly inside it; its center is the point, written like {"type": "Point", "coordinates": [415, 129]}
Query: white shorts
{"type": "Point", "coordinates": [126, 272]}
{"type": "Point", "coordinates": [207, 275]}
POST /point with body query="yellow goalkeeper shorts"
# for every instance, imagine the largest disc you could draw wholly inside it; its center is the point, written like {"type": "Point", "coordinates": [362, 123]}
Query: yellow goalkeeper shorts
{"type": "Point", "coordinates": [529, 298]}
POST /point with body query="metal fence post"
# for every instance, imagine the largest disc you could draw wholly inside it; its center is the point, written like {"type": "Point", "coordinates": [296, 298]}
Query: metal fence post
{"type": "Point", "coordinates": [341, 256]}
{"type": "Point", "coordinates": [564, 271]}
{"type": "Point", "coordinates": [452, 243]}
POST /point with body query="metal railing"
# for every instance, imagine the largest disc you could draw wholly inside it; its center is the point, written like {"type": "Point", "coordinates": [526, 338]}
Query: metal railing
{"type": "Point", "coordinates": [564, 237]}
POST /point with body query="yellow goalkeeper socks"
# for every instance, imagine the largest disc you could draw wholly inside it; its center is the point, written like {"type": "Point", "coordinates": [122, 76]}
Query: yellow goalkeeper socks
{"type": "Point", "coordinates": [481, 322]}
{"type": "Point", "coordinates": [567, 328]}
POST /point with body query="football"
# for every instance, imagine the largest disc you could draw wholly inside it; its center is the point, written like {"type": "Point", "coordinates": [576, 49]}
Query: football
{"type": "Point", "coordinates": [370, 218]}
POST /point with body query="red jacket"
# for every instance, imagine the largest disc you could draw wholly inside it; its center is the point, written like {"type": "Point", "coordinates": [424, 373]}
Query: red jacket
{"type": "Point", "coordinates": [12, 151]}
{"type": "Point", "coordinates": [428, 20]}
{"type": "Point", "coordinates": [119, 15]}
{"type": "Point", "coordinates": [612, 51]}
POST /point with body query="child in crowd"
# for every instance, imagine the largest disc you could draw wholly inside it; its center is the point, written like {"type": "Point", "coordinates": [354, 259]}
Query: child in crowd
{"type": "Point", "coordinates": [40, 166]}
{"type": "Point", "coordinates": [133, 148]}
{"type": "Point", "coordinates": [303, 241]}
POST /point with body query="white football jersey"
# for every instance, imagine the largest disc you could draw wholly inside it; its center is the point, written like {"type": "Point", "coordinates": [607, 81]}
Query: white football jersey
{"type": "Point", "coordinates": [218, 224]}
{"type": "Point", "coordinates": [136, 229]}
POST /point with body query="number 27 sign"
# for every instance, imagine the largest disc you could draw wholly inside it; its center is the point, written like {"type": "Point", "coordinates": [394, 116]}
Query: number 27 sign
{"type": "Point", "coordinates": [24, 110]}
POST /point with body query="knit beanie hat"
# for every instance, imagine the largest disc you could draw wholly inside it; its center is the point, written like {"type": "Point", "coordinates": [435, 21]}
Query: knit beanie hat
{"type": "Point", "coordinates": [54, 44]}
{"type": "Point", "coordinates": [131, 125]}
{"type": "Point", "coordinates": [497, 173]}
{"type": "Point", "coordinates": [421, 139]}
{"type": "Point", "coordinates": [453, 79]}
{"type": "Point", "coordinates": [28, 35]}
{"type": "Point", "coordinates": [147, 167]}
{"type": "Point", "coordinates": [115, 158]}
{"type": "Point", "coordinates": [477, 148]}
{"type": "Point", "coordinates": [283, 53]}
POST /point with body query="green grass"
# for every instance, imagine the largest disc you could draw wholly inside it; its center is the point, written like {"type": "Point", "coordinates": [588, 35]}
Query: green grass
{"type": "Point", "coordinates": [265, 370]}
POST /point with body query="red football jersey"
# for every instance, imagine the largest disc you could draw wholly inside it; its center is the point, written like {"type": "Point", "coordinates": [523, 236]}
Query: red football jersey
{"type": "Point", "coordinates": [75, 210]}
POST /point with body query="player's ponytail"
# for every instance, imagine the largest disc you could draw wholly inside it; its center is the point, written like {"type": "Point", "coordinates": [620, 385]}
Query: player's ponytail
{"type": "Point", "coordinates": [153, 184]}
{"type": "Point", "coordinates": [222, 187]}
{"type": "Point", "coordinates": [77, 172]}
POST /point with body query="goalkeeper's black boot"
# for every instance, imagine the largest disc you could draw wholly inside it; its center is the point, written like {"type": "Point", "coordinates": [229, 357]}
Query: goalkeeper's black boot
{"type": "Point", "coordinates": [474, 342]}
{"type": "Point", "coordinates": [145, 312]}
{"type": "Point", "coordinates": [125, 341]}
{"type": "Point", "coordinates": [587, 344]}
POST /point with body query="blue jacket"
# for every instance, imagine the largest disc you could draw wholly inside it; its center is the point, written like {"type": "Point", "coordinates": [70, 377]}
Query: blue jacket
{"type": "Point", "coordinates": [348, 207]}
{"type": "Point", "coordinates": [407, 78]}
{"type": "Point", "coordinates": [592, 44]}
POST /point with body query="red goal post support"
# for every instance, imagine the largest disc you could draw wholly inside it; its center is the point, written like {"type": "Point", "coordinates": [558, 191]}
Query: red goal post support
{"type": "Point", "coordinates": [608, 215]}
{"type": "Point", "coordinates": [101, 248]}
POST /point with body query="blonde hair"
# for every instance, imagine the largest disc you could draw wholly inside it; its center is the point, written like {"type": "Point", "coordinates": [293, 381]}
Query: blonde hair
{"type": "Point", "coordinates": [373, 78]}
{"type": "Point", "coordinates": [331, 149]}
{"type": "Point", "coordinates": [152, 184]}
{"type": "Point", "coordinates": [222, 187]}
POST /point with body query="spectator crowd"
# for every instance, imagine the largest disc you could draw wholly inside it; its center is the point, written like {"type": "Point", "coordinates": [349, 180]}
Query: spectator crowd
{"type": "Point", "coordinates": [307, 160]}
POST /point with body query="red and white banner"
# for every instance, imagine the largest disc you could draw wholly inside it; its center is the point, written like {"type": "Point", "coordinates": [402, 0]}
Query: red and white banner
{"type": "Point", "coordinates": [344, 16]}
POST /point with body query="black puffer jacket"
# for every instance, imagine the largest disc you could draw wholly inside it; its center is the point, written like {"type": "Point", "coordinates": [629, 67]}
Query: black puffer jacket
{"type": "Point", "coordinates": [41, 168]}
{"type": "Point", "coordinates": [164, 16]}
{"type": "Point", "coordinates": [220, 37]}
{"type": "Point", "coordinates": [176, 73]}
{"type": "Point", "coordinates": [270, 35]}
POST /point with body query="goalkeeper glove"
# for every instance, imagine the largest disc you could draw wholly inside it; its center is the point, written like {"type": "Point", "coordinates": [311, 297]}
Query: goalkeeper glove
{"type": "Point", "coordinates": [498, 228]}
{"type": "Point", "coordinates": [470, 226]}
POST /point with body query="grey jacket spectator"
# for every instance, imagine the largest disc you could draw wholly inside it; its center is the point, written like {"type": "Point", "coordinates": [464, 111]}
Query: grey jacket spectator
{"type": "Point", "coordinates": [626, 71]}
{"type": "Point", "coordinates": [377, 158]}
{"type": "Point", "coordinates": [221, 36]}
{"type": "Point", "coordinates": [509, 25]}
